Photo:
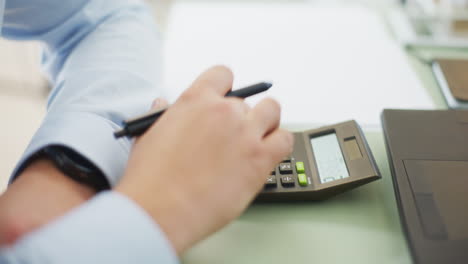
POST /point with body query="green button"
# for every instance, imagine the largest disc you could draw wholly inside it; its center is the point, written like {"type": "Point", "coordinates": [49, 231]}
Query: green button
{"type": "Point", "coordinates": [300, 167]}
{"type": "Point", "coordinates": [302, 179]}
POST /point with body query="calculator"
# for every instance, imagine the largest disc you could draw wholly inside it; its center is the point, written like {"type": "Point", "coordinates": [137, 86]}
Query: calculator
{"type": "Point", "coordinates": [324, 162]}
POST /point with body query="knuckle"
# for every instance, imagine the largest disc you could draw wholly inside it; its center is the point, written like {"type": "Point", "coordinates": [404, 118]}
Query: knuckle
{"type": "Point", "coordinates": [226, 109]}
{"type": "Point", "coordinates": [273, 105]}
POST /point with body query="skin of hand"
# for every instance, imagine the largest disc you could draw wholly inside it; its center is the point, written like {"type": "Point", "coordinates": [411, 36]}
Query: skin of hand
{"type": "Point", "coordinates": [201, 164]}
{"type": "Point", "coordinates": [40, 194]}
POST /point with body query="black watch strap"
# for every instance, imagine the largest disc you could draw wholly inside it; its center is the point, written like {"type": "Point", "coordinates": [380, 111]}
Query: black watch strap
{"type": "Point", "coordinates": [75, 166]}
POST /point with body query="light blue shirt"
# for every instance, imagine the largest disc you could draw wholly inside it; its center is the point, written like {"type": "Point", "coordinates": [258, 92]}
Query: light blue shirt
{"type": "Point", "coordinates": [102, 58]}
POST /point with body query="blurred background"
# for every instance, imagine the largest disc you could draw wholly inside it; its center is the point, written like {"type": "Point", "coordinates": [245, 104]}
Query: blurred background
{"type": "Point", "coordinates": [23, 90]}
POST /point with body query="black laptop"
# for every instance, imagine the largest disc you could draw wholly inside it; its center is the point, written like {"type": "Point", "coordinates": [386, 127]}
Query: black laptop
{"type": "Point", "coordinates": [428, 155]}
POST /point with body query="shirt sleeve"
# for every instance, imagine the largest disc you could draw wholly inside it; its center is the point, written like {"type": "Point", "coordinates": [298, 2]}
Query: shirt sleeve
{"type": "Point", "coordinates": [102, 59]}
{"type": "Point", "coordinates": [108, 229]}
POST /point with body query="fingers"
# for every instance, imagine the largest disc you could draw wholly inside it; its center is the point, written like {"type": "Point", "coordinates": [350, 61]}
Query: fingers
{"type": "Point", "coordinates": [240, 104]}
{"type": "Point", "coordinates": [159, 103]}
{"type": "Point", "coordinates": [265, 116]}
{"type": "Point", "coordinates": [278, 144]}
{"type": "Point", "coordinates": [216, 80]}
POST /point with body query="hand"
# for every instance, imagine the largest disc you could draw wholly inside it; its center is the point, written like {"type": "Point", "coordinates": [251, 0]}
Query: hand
{"type": "Point", "coordinates": [205, 160]}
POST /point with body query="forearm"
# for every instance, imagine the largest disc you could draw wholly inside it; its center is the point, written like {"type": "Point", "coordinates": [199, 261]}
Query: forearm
{"type": "Point", "coordinates": [40, 194]}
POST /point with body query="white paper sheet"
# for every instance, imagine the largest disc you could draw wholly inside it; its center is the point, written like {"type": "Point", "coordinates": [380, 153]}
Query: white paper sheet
{"type": "Point", "coordinates": [327, 63]}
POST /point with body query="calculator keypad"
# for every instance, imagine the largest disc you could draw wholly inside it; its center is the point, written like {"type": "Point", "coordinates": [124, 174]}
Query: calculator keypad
{"type": "Point", "coordinates": [288, 173]}
{"type": "Point", "coordinates": [302, 179]}
{"type": "Point", "coordinates": [287, 180]}
{"type": "Point", "coordinates": [285, 168]}
{"type": "Point", "coordinates": [300, 167]}
{"type": "Point", "coordinates": [271, 181]}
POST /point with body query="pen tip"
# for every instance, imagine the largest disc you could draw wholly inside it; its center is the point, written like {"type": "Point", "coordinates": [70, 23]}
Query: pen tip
{"type": "Point", "coordinates": [268, 84]}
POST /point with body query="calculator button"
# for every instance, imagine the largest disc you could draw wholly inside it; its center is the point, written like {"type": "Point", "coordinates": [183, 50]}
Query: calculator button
{"type": "Point", "coordinates": [302, 178]}
{"type": "Point", "coordinates": [270, 181]}
{"type": "Point", "coordinates": [300, 167]}
{"type": "Point", "coordinates": [287, 181]}
{"type": "Point", "coordinates": [285, 168]}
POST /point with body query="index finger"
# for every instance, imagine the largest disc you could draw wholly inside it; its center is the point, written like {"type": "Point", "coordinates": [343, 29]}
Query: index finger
{"type": "Point", "coordinates": [217, 79]}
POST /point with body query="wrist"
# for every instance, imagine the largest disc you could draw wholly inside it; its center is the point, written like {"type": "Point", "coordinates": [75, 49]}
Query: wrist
{"type": "Point", "coordinates": [41, 194]}
{"type": "Point", "coordinates": [170, 212]}
{"type": "Point", "coordinates": [73, 165]}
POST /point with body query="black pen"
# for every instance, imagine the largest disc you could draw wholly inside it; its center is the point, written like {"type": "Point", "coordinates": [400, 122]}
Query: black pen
{"type": "Point", "coordinates": [138, 125]}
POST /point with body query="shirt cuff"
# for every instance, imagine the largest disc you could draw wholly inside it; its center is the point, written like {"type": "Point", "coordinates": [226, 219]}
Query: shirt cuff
{"type": "Point", "coordinates": [88, 134]}
{"type": "Point", "coordinates": [110, 228]}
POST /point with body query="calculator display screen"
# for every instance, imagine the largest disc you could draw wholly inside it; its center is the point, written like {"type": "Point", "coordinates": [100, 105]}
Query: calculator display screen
{"type": "Point", "coordinates": [329, 158]}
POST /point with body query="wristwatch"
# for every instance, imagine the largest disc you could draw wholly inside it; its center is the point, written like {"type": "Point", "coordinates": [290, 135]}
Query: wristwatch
{"type": "Point", "coordinates": [74, 166]}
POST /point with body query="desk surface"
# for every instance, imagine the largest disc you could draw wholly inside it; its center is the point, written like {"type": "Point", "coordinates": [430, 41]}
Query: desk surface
{"type": "Point", "coordinates": [361, 226]}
